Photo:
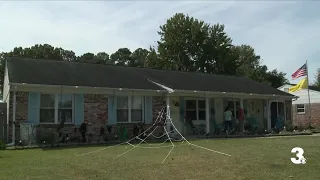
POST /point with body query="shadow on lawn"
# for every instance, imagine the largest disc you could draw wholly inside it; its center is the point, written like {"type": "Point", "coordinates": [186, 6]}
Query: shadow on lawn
{"type": "Point", "coordinates": [83, 145]}
{"type": "Point", "coordinates": [113, 143]}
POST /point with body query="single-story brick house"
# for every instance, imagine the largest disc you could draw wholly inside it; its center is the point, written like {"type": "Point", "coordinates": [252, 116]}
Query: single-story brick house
{"type": "Point", "coordinates": [300, 106]}
{"type": "Point", "coordinates": [45, 91]}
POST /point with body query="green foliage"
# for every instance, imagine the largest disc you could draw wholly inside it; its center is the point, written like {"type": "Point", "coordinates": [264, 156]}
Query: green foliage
{"type": "Point", "coordinates": [189, 44]}
{"type": "Point", "coordinates": [317, 77]}
{"type": "Point", "coordinates": [46, 137]}
{"type": "Point", "coordinates": [289, 126]}
{"type": "Point", "coordinates": [2, 145]}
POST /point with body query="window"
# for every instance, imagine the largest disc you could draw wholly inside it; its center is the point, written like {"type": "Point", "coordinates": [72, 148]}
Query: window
{"type": "Point", "coordinates": [136, 110]}
{"type": "Point", "coordinates": [122, 109]}
{"type": "Point", "coordinates": [47, 108]}
{"type": "Point", "coordinates": [300, 109]}
{"type": "Point", "coordinates": [233, 107]}
{"type": "Point", "coordinates": [54, 108]}
{"type": "Point", "coordinates": [65, 108]}
{"type": "Point", "coordinates": [130, 109]}
{"type": "Point", "coordinates": [196, 109]}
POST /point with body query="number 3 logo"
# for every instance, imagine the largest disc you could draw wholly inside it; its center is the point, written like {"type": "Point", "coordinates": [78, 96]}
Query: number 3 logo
{"type": "Point", "coordinates": [300, 158]}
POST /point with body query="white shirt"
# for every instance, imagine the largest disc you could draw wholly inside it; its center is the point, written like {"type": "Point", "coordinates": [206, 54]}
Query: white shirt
{"type": "Point", "coordinates": [228, 115]}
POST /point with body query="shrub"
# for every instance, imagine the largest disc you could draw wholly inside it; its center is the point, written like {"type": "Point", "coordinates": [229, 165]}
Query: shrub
{"type": "Point", "coordinates": [2, 145]}
{"type": "Point", "coordinates": [289, 126]}
{"type": "Point", "coordinates": [47, 138]}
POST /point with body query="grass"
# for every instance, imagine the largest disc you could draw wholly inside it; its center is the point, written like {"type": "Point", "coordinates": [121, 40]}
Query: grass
{"type": "Point", "coordinates": [252, 158]}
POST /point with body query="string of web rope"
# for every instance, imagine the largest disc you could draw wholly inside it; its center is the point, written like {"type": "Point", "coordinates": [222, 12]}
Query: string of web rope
{"type": "Point", "coordinates": [172, 145]}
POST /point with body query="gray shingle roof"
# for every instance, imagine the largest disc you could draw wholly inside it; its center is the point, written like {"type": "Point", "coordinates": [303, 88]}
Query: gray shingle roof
{"type": "Point", "coordinates": [50, 72]}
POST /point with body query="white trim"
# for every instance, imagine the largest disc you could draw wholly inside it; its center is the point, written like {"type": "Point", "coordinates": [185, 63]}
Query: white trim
{"type": "Point", "coordinates": [284, 86]}
{"type": "Point", "coordinates": [203, 94]}
{"type": "Point", "coordinates": [197, 108]}
{"type": "Point", "coordinates": [168, 115]}
{"type": "Point", "coordinates": [129, 108]}
{"type": "Point", "coordinates": [304, 109]}
{"type": "Point", "coordinates": [56, 108]}
{"type": "Point", "coordinates": [84, 90]}
{"type": "Point", "coordinates": [269, 110]}
{"type": "Point", "coordinates": [269, 114]}
{"type": "Point", "coordinates": [143, 92]}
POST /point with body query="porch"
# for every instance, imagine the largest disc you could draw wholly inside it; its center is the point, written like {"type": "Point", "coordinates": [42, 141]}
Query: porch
{"type": "Point", "coordinates": [203, 114]}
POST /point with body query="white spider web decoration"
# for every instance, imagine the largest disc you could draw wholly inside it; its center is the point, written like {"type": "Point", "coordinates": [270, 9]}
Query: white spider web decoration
{"type": "Point", "coordinates": [166, 134]}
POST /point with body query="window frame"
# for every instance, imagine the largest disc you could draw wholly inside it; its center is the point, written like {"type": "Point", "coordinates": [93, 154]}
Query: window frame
{"type": "Point", "coordinates": [197, 108]}
{"type": "Point", "coordinates": [130, 101]}
{"type": "Point", "coordinates": [233, 109]}
{"type": "Point", "coordinates": [56, 108]}
{"type": "Point", "coordinates": [297, 108]}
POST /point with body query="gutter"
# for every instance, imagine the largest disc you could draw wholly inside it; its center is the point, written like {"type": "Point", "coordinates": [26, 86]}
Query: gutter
{"type": "Point", "coordinates": [85, 87]}
{"type": "Point", "coordinates": [232, 94]}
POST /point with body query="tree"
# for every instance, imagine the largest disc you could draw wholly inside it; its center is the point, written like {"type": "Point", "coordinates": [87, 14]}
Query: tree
{"type": "Point", "coordinates": [121, 57]}
{"type": "Point", "coordinates": [317, 77]}
{"type": "Point", "coordinates": [250, 66]}
{"type": "Point", "coordinates": [276, 78]}
{"type": "Point", "coordinates": [103, 58]}
{"type": "Point", "coordinates": [37, 51]}
{"type": "Point", "coordinates": [248, 61]}
{"type": "Point", "coordinates": [153, 61]}
{"type": "Point", "coordinates": [86, 58]}
{"type": "Point", "coordinates": [188, 44]}
{"type": "Point", "coordinates": [138, 57]}
{"type": "Point", "coordinates": [180, 42]}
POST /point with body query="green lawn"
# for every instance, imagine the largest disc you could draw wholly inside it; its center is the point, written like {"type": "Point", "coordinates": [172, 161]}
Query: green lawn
{"type": "Point", "coordinates": [256, 159]}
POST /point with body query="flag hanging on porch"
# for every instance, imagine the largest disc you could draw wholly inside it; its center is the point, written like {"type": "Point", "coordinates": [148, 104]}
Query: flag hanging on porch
{"type": "Point", "coordinates": [303, 84]}
{"type": "Point", "coordinates": [300, 72]}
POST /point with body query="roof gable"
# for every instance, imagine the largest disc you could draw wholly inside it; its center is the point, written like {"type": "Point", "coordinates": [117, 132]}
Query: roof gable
{"type": "Point", "coordinates": [50, 72]}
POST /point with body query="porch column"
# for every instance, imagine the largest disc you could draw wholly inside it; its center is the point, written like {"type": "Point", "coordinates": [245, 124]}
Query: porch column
{"type": "Point", "coordinates": [207, 116]}
{"type": "Point", "coordinates": [285, 111]}
{"type": "Point", "coordinates": [268, 114]}
{"type": "Point", "coordinates": [13, 135]}
{"type": "Point", "coordinates": [241, 103]}
{"type": "Point", "coordinates": [168, 116]}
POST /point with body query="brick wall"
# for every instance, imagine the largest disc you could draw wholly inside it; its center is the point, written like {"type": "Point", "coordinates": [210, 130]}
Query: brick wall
{"type": "Point", "coordinates": [95, 111]}
{"type": "Point", "coordinates": [302, 120]}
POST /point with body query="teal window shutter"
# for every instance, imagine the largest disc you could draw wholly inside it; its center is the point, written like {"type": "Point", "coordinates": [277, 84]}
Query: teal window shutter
{"type": "Point", "coordinates": [148, 116]}
{"type": "Point", "coordinates": [182, 108]}
{"type": "Point", "coordinates": [79, 109]}
{"type": "Point", "coordinates": [34, 107]}
{"type": "Point", "coordinates": [112, 110]}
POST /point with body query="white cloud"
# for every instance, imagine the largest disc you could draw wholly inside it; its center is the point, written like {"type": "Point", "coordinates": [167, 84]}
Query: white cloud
{"type": "Point", "coordinates": [284, 33]}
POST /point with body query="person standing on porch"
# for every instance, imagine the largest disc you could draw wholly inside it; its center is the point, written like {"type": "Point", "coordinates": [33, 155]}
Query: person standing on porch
{"type": "Point", "coordinates": [227, 119]}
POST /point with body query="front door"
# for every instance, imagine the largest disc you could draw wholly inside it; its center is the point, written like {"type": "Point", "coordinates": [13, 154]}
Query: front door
{"type": "Point", "coordinates": [274, 113]}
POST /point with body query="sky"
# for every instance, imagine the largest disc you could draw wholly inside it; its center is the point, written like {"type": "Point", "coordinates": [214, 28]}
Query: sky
{"type": "Point", "coordinates": [284, 33]}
